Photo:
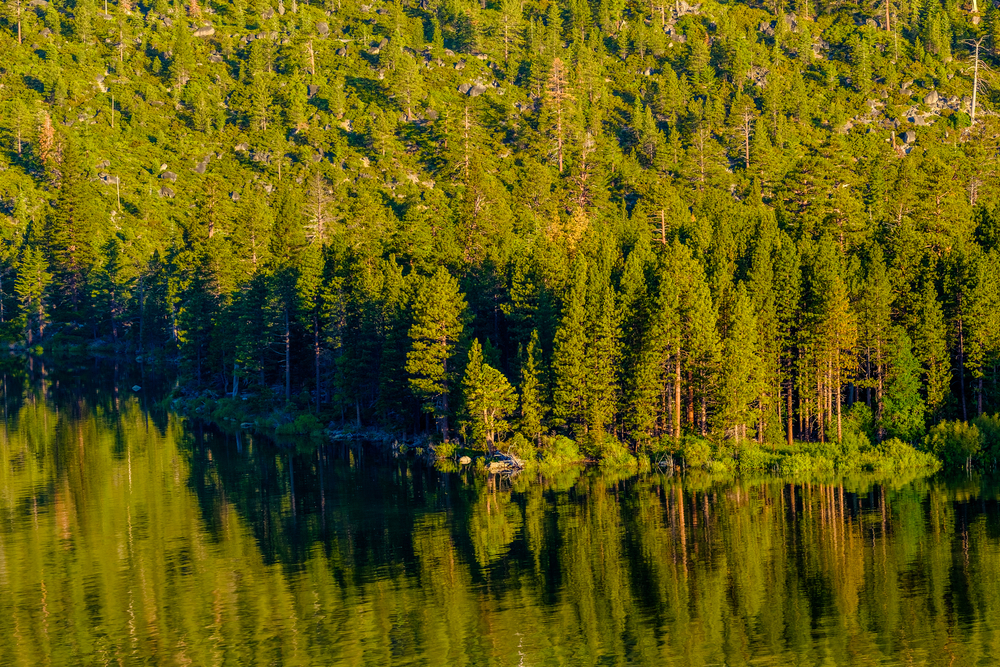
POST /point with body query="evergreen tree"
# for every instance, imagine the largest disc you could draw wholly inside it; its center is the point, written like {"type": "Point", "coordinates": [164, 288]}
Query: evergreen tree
{"type": "Point", "coordinates": [532, 406]}
{"type": "Point", "coordinates": [70, 236]}
{"type": "Point", "coordinates": [438, 312]}
{"type": "Point", "coordinates": [740, 381]}
{"type": "Point", "coordinates": [488, 399]}
{"type": "Point", "coordinates": [569, 370]}
{"type": "Point", "coordinates": [903, 416]}
{"type": "Point", "coordinates": [601, 362]}
{"type": "Point", "coordinates": [32, 282]}
{"type": "Point", "coordinates": [931, 348]}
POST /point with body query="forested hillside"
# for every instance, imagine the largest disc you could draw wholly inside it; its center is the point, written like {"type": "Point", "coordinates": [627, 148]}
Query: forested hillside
{"type": "Point", "coordinates": [619, 222]}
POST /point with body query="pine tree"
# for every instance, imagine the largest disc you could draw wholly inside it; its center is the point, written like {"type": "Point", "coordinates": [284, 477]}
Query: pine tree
{"type": "Point", "coordinates": [903, 416]}
{"type": "Point", "coordinates": [874, 322]}
{"type": "Point", "coordinates": [931, 347]}
{"type": "Point", "coordinates": [70, 235]}
{"type": "Point", "coordinates": [438, 312]}
{"type": "Point", "coordinates": [488, 399]}
{"type": "Point", "coordinates": [408, 79]}
{"type": "Point", "coordinates": [788, 288]}
{"type": "Point", "coordinates": [32, 283]}
{"type": "Point", "coordinates": [318, 307]}
{"type": "Point", "coordinates": [532, 407]}
{"type": "Point", "coordinates": [701, 346]}
{"type": "Point", "coordinates": [569, 370]}
{"type": "Point", "coordinates": [981, 317]}
{"type": "Point", "coordinates": [602, 361]}
{"type": "Point", "coordinates": [740, 381]}
{"type": "Point", "coordinates": [112, 284]}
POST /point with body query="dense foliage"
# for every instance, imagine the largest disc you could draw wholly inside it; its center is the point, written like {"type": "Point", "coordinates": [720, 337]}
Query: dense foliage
{"type": "Point", "coordinates": [614, 222]}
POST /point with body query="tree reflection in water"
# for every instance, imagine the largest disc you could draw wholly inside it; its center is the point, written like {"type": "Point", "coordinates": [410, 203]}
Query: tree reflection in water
{"type": "Point", "coordinates": [131, 535]}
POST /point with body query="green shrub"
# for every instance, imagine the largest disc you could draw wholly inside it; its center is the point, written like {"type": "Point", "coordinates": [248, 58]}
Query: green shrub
{"type": "Point", "coordinates": [445, 450]}
{"type": "Point", "coordinates": [520, 446]}
{"type": "Point", "coordinates": [894, 455]}
{"type": "Point", "coordinates": [854, 444]}
{"type": "Point", "coordinates": [306, 424]}
{"type": "Point", "coordinates": [753, 457]}
{"type": "Point", "coordinates": [719, 467]}
{"type": "Point", "coordinates": [954, 443]}
{"type": "Point", "coordinates": [695, 451]}
{"type": "Point", "coordinates": [614, 454]}
{"type": "Point", "coordinates": [989, 436]}
{"type": "Point", "coordinates": [560, 449]}
{"type": "Point", "coordinates": [797, 463]}
{"type": "Point", "coordinates": [859, 420]}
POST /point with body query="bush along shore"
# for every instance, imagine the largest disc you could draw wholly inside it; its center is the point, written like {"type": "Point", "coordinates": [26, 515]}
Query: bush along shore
{"type": "Point", "coordinates": [949, 445]}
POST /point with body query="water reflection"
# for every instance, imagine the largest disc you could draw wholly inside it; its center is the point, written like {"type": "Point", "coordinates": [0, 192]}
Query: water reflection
{"type": "Point", "coordinates": [130, 536]}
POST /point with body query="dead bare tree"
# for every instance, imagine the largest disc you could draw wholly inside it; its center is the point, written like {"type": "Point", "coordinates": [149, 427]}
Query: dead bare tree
{"type": "Point", "coordinates": [977, 66]}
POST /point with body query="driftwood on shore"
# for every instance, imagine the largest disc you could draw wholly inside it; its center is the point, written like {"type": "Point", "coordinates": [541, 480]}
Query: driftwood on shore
{"type": "Point", "coordinates": [498, 462]}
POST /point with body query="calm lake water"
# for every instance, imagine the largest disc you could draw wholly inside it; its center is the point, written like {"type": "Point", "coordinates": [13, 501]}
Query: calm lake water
{"type": "Point", "coordinates": [133, 537]}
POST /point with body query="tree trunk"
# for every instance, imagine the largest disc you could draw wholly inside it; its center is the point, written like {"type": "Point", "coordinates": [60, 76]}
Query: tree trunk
{"type": "Point", "coordinates": [316, 356]}
{"type": "Point", "coordinates": [142, 307]}
{"type": "Point", "coordinates": [288, 359]}
{"type": "Point", "coordinates": [961, 366]}
{"type": "Point", "coordinates": [790, 416]}
{"type": "Point", "coordinates": [979, 399]}
{"type": "Point", "coordinates": [840, 430]}
{"type": "Point", "coordinates": [677, 396]}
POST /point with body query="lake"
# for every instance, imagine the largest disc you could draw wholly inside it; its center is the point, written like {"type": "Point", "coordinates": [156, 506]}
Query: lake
{"type": "Point", "coordinates": [130, 536]}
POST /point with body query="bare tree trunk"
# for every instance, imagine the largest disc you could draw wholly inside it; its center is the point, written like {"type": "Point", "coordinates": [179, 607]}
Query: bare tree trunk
{"type": "Point", "coordinates": [288, 359]}
{"type": "Point", "coordinates": [840, 429]}
{"type": "Point", "coordinates": [979, 399]}
{"type": "Point", "coordinates": [789, 416]}
{"type": "Point", "coordinates": [316, 356]}
{"type": "Point", "coordinates": [975, 75]}
{"type": "Point", "coordinates": [961, 366]}
{"type": "Point", "coordinates": [677, 396]}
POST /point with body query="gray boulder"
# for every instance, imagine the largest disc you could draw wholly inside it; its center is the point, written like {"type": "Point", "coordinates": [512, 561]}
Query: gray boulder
{"type": "Point", "coordinates": [477, 90]}
{"type": "Point", "coordinates": [169, 176]}
{"type": "Point", "coordinates": [908, 137]}
{"type": "Point", "coordinates": [312, 89]}
{"type": "Point", "coordinates": [464, 88]}
{"type": "Point", "coordinates": [268, 14]}
{"type": "Point", "coordinates": [323, 28]}
{"type": "Point", "coordinates": [166, 192]}
{"type": "Point", "coordinates": [204, 31]}
{"type": "Point", "coordinates": [931, 98]}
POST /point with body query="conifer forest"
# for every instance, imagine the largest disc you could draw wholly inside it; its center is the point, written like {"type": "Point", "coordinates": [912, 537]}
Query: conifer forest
{"type": "Point", "coordinates": [744, 233]}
